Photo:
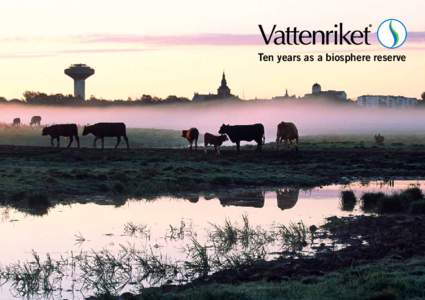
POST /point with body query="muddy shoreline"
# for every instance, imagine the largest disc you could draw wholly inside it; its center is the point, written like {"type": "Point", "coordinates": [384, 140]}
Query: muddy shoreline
{"type": "Point", "coordinates": [370, 241]}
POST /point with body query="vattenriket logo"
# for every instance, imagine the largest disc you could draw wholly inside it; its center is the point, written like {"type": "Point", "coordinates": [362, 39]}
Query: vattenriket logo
{"type": "Point", "coordinates": [392, 33]}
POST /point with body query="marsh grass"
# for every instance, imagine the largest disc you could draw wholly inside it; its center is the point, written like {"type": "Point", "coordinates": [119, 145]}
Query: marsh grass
{"type": "Point", "coordinates": [142, 230]}
{"type": "Point", "coordinates": [399, 202]}
{"type": "Point", "coordinates": [293, 237]}
{"type": "Point", "coordinates": [104, 272]}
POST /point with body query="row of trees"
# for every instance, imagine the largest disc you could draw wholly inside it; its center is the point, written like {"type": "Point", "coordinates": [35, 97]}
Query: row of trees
{"type": "Point", "coordinates": [38, 98]}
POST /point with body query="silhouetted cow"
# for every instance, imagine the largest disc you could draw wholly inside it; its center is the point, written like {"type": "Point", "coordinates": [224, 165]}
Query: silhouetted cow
{"type": "Point", "coordinates": [379, 139]}
{"type": "Point", "coordinates": [238, 133]}
{"type": "Point", "coordinates": [287, 132]}
{"type": "Point", "coordinates": [215, 140]}
{"type": "Point", "coordinates": [102, 130]}
{"type": "Point", "coordinates": [35, 121]}
{"type": "Point", "coordinates": [67, 130]}
{"type": "Point", "coordinates": [192, 136]}
{"type": "Point", "coordinates": [16, 122]}
{"type": "Point", "coordinates": [287, 198]}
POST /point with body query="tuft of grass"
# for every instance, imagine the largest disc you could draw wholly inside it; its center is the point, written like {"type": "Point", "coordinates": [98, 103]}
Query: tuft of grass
{"type": "Point", "coordinates": [348, 200]}
{"type": "Point", "coordinates": [370, 201]}
{"type": "Point", "coordinates": [412, 194]}
{"type": "Point", "coordinates": [417, 207]}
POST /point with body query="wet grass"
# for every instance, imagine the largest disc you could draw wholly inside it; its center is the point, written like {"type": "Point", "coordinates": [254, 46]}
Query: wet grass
{"type": "Point", "coordinates": [383, 280]}
{"type": "Point", "coordinates": [409, 200]}
{"type": "Point", "coordinates": [228, 246]}
{"type": "Point", "coordinates": [147, 172]}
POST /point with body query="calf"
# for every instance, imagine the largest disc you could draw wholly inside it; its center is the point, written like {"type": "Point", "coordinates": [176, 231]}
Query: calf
{"type": "Point", "coordinates": [192, 136]}
{"type": "Point", "coordinates": [66, 130]}
{"type": "Point", "coordinates": [16, 122]}
{"type": "Point", "coordinates": [215, 140]}
{"type": "Point", "coordinates": [35, 121]}
{"type": "Point", "coordinates": [102, 130]}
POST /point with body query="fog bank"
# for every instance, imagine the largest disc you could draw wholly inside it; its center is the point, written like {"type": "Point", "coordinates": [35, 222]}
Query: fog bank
{"type": "Point", "coordinates": [317, 118]}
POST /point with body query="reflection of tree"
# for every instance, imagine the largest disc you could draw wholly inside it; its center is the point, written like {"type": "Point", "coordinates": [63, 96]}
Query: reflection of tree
{"type": "Point", "coordinates": [249, 199]}
{"type": "Point", "coordinates": [287, 198]}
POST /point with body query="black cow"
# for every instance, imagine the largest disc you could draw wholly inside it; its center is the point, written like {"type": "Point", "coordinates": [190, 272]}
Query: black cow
{"type": "Point", "coordinates": [238, 133]}
{"type": "Point", "coordinates": [66, 130]}
{"type": "Point", "coordinates": [102, 130]}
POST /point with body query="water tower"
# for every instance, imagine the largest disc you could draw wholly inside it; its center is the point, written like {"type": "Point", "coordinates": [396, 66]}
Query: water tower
{"type": "Point", "coordinates": [79, 72]}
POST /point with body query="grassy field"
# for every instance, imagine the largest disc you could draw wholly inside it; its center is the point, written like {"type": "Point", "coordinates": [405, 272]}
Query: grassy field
{"type": "Point", "coordinates": [153, 167]}
{"type": "Point", "coordinates": [142, 172]}
{"type": "Point", "coordinates": [385, 280]}
{"type": "Point", "coordinates": [148, 138]}
{"type": "Point", "coordinates": [161, 138]}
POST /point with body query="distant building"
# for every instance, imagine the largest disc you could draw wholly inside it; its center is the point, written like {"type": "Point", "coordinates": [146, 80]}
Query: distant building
{"type": "Point", "coordinates": [386, 101]}
{"type": "Point", "coordinates": [79, 72]}
{"type": "Point", "coordinates": [284, 97]}
{"type": "Point", "coordinates": [223, 92]}
{"type": "Point", "coordinates": [316, 92]}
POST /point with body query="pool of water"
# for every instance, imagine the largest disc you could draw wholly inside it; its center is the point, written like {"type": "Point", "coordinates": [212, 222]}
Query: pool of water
{"type": "Point", "coordinates": [95, 226]}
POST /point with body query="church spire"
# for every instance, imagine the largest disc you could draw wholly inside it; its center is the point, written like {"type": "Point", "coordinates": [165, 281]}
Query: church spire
{"type": "Point", "coordinates": [223, 80]}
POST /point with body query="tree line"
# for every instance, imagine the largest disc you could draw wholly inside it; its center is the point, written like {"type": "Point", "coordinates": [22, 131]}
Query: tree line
{"type": "Point", "coordinates": [39, 98]}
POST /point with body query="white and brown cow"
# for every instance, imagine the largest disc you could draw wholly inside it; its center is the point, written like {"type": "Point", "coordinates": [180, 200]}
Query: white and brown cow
{"type": "Point", "coordinates": [192, 136]}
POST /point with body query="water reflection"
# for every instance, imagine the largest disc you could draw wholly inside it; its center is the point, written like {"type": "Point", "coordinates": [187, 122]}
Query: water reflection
{"type": "Point", "coordinates": [52, 227]}
{"type": "Point", "coordinates": [287, 198]}
{"type": "Point", "coordinates": [245, 198]}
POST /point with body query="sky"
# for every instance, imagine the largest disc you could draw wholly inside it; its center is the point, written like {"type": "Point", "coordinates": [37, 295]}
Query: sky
{"type": "Point", "coordinates": [169, 47]}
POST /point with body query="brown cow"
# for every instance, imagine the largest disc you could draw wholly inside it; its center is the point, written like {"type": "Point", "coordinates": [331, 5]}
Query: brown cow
{"type": "Point", "coordinates": [287, 132]}
{"type": "Point", "coordinates": [16, 122]}
{"type": "Point", "coordinates": [379, 139]}
{"type": "Point", "coordinates": [192, 136]}
{"type": "Point", "coordinates": [67, 130]}
{"type": "Point", "coordinates": [35, 121]}
{"type": "Point", "coordinates": [215, 140]}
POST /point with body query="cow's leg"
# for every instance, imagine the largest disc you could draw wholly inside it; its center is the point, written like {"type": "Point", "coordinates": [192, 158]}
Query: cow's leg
{"type": "Point", "coordinates": [205, 147]}
{"type": "Point", "coordinates": [238, 146]}
{"type": "Point", "coordinates": [51, 141]}
{"type": "Point", "coordinates": [94, 142]}
{"type": "Point", "coordinates": [126, 141]}
{"type": "Point", "coordinates": [102, 139]}
{"type": "Point", "coordinates": [277, 143]}
{"type": "Point", "coordinates": [196, 144]}
{"type": "Point", "coordinates": [78, 140]}
{"type": "Point", "coordinates": [259, 144]}
{"type": "Point", "coordinates": [59, 143]}
{"type": "Point", "coordinates": [118, 141]}
{"type": "Point", "coordinates": [190, 145]}
{"type": "Point", "coordinates": [218, 150]}
{"type": "Point", "coordinates": [71, 139]}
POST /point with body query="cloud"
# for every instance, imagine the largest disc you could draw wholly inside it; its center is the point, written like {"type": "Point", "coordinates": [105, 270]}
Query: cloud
{"type": "Point", "coordinates": [207, 39]}
{"type": "Point", "coordinates": [24, 55]}
{"type": "Point", "coordinates": [141, 43]}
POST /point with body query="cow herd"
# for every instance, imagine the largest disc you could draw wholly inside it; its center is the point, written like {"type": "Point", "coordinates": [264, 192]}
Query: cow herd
{"type": "Point", "coordinates": [286, 132]}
